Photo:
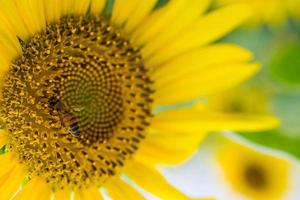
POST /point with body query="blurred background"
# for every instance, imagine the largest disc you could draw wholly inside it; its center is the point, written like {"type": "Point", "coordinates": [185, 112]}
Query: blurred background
{"type": "Point", "coordinates": [263, 165]}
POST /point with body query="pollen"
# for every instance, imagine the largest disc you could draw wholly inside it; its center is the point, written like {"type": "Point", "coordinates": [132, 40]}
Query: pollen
{"type": "Point", "coordinates": [76, 102]}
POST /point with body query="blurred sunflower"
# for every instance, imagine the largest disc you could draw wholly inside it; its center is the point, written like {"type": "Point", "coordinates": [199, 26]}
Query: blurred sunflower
{"type": "Point", "coordinates": [272, 12]}
{"type": "Point", "coordinates": [252, 173]}
{"type": "Point", "coordinates": [80, 86]}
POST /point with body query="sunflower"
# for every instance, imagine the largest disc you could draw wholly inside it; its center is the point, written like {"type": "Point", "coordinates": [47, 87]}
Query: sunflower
{"type": "Point", "coordinates": [253, 173]}
{"type": "Point", "coordinates": [81, 84]}
{"type": "Point", "coordinates": [272, 12]}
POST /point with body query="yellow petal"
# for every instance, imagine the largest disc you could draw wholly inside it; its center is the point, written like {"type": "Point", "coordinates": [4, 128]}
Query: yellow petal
{"type": "Point", "coordinates": [178, 148]}
{"type": "Point", "coordinates": [81, 6]}
{"type": "Point", "coordinates": [97, 6]}
{"type": "Point", "coordinates": [35, 189]}
{"type": "Point", "coordinates": [3, 138]}
{"type": "Point", "coordinates": [207, 29]}
{"type": "Point", "coordinates": [62, 7]}
{"type": "Point", "coordinates": [202, 82]}
{"type": "Point", "coordinates": [32, 14]}
{"type": "Point", "coordinates": [194, 121]}
{"type": "Point", "coordinates": [11, 176]}
{"type": "Point", "coordinates": [199, 59]}
{"type": "Point", "coordinates": [156, 21]}
{"type": "Point", "coordinates": [88, 194]}
{"type": "Point", "coordinates": [142, 10]}
{"type": "Point", "coordinates": [152, 181]}
{"type": "Point", "coordinates": [171, 31]}
{"type": "Point", "coordinates": [118, 190]}
{"type": "Point", "coordinates": [9, 45]}
{"type": "Point", "coordinates": [121, 11]}
{"type": "Point", "coordinates": [11, 26]}
{"type": "Point", "coordinates": [54, 9]}
{"type": "Point", "coordinates": [10, 14]}
{"type": "Point", "coordinates": [4, 65]}
{"type": "Point", "coordinates": [7, 164]}
{"type": "Point", "coordinates": [62, 195]}
{"type": "Point", "coordinates": [8, 51]}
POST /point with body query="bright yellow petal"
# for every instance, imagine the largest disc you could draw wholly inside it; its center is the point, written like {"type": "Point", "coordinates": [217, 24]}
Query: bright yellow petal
{"type": "Point", "coordinates": [81, 6]}
{"type": "Point", "coordinates": [152, 181]}
{"type": "Point", "coordinates": [97, 6]}
{"type": "Point", "coordinates": [142, 10]}
{"type": "Point", "coordinates": [62, 195]}
{"type": "Point", "coordinates": [32, 14]}
{"type": "Point", "coordinates": [60, 8]}
{"type": "Point", "coordinates": [11, 26]}
{"type": "Point", "coordinates": [57, 8]}
{"type": "Point", "coordinates": [207, 29]}
{"type": "Point", "coordinates": [121, 11]}
{"type": "Point", "coordinates": [4, 64]}
{"type": "Point", "coordinates": [171, 31]}
{"type": "Point", "coordinates": [7, 164]}
{"type": "Point", "coordinates": [3, 138]}
{"type": "Point", "coordinates": [156, 21]}
{"type": "Point", "coordinates": [11, 15]}
{"type": "Point", "coordinates": [178, 148]}
{"type": "Point", "coordinates": [200, 59]}
{"type": "Point", "coordinates": [118, 190]}
{"type": "Point", "coordinates": [35, 189]}
{"type": "Point", "coordinates": [53, 9]}
{"type": "Point", "coordinates": [88, 194]}
{"type": "Point", "coordinates": [11, 176]}
{"type": "Point", "coordinates": [202, 82]}
{"type": "Point", "coordinates": [194, 121]}
{"type": "Point", "coordinates": [8, 51]}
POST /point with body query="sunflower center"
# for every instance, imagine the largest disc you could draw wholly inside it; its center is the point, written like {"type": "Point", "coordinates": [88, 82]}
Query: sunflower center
{"type": "Point", "coordinates": [255, 177]}
{"type": "Point", "coordinates": [76, 102]}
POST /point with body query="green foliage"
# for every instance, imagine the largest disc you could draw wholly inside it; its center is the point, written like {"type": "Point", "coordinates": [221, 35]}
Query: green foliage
{"type": "Point", "coordinates": [286, 106]}
{"type": "Point", "coordinates": [285, 65]}
{"type": "Point", "coordinates": [277, 140]}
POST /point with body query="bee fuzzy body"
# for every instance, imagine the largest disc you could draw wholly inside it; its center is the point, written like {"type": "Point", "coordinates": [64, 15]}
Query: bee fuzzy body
{"type": "Point", "coordinates": [67, 118]}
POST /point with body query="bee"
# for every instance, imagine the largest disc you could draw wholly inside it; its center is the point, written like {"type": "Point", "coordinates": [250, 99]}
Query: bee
{"type": "Point", "coordinates": [67, 118]}
{"type": "Point", "coordinates": [55, 104]}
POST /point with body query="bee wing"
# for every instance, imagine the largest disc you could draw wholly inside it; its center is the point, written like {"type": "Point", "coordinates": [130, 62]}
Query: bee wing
{"type": "Point", "coordinates": [74, 129]}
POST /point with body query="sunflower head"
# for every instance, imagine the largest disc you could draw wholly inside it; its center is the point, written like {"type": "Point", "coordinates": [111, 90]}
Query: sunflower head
{"type": "Point", "coordinates": [254, 174]}
{"type": "Point", "coordinates": [77, 85]}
